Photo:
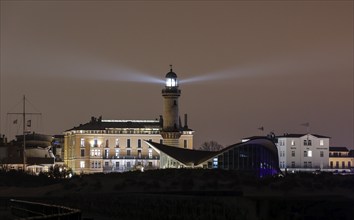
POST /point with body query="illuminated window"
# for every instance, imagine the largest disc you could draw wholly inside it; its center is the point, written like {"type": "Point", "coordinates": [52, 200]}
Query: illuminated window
{"type": "Point", "coordinates": [82, 142]}
{"type": "Point", "coordinates": [309, 153]}
{"type": "Point", "coordinates": [150, 153]}
{"type": "Point", "coordinates": [292, 143]}
{"type": "Point", "coordinates": [82, 164]}
{"type": "Point", "coordinates": [117, 142]}
{"type": "Point", "coordinates": [95, 152]}
{"type": "Point", "coordinates": [321, 143]}
{"type": "Point", "coordinates": [106, 153]}
{"type": "Point", "coordinates": [117, 152]}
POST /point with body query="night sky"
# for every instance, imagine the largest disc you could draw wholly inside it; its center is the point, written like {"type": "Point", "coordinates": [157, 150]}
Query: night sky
{"type": "Point", "coordinates": [241, 64]}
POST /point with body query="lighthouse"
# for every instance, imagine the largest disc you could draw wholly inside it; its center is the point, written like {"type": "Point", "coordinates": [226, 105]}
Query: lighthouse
{"type": "Point", "coordinates": [171, 131]}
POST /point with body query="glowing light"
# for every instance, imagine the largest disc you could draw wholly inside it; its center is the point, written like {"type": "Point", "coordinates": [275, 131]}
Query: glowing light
{"type": "Point", "coordinates": [171, 82]}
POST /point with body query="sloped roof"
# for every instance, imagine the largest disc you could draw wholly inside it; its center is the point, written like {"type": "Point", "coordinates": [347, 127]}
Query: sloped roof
{"type": "Point", "coordinates": [106, 124]}
{"type": "Point", "coordinates": [301, 135]}
{"type": "Point", "coordinates": [343, 149]}
{"type": "Point", "coordinates": [185, 156]}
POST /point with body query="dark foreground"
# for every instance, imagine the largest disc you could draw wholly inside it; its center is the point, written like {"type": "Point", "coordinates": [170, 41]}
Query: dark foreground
{"type": "Point", "coordinates": [193, 194]}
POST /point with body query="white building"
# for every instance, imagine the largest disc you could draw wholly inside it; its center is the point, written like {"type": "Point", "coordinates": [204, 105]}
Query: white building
{"type": "Point", "coordinates": [303, 152]}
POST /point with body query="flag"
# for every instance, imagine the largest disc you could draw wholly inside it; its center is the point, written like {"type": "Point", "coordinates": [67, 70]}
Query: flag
{"type": "Point", "coordinates": [28, 123]}
{"type": "Point", "coordinates": [307, 124]}
{"type": "Point", "coordinates": [15, 121]}
{"type": "Point", "coordinates": [261, 128]}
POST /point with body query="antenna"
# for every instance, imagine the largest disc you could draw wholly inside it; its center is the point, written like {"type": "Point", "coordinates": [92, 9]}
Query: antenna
{"type": "Point", "coordinates": [171, 67]}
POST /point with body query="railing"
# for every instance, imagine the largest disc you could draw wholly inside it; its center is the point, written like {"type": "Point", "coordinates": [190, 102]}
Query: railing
{"type": "Point", "coordinates": [34, 210]}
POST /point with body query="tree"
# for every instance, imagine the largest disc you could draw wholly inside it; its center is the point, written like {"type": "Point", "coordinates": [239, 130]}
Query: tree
{"type": "Point", "coordinates": [211, 146]}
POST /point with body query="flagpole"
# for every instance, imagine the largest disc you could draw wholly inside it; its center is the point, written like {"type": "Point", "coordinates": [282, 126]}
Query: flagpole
{"type": "Point", "coordinates": [24, 133]}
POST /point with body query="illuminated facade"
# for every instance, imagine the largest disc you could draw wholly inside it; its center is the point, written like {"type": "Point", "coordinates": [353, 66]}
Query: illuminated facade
{"type": "Point", "coordinates": [256, 156]}
{"type": "Point", "coordinates": [119, 145]}
{"type": "Point", "coordinates": [303, 152]}
{"type": "Point", "coordinates": [339, 159]}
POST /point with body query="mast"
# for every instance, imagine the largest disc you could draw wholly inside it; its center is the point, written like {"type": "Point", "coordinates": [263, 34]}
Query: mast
{"type": "Point", "coordinates": [24, 133]}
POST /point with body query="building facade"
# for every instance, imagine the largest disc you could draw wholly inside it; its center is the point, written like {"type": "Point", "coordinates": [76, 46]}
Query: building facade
{"type": "Point", "coordinates": [119, 145]}
{"type": "Point", "coordinates": [303, 152]}
{"type": "Point", "coordinates": [340, 159]}
{"type": "Point", "coordinates": [257, 156]}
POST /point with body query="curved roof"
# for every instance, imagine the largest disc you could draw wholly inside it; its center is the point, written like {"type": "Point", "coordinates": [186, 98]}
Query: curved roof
{"type": "Point", "coordinates": [171, 74]}
{"type": "Point", "coordinates": [196, 157]}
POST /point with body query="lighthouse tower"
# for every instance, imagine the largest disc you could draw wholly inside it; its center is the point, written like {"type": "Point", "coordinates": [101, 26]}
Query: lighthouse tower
{"type": "Point", "coordinates": [171, 127]}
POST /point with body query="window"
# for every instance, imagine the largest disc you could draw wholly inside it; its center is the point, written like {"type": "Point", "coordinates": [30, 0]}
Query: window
{"type": "Point", "coordinates": [337, 164]}
{"type": "Point", "coordinates": [128, 152]}
{"type": "Point", "coordinates": [293, 153]}
{"type": "Point", "coordinates": [309, 153]}
{"type": "Point", "coordinates": [106, 153]}
{"type": "Point", "coordinates": [309, 164]}
{"type": "Point", "coordinates": [321, 153]}
{"type": "Point", "coordinates": [150, 164]}
{"type": "Point", "coordinates": [150, 153]}
{"type": "Point", "coordinates": [139, 143]}
{"type": "Point", "coordinates": [321, 143]}
{"type": "Point", "coordinates": [128, 164]}
{"type": "Point", "coordinates": [309, 143]}
{"type": "Point", "coordinates": [161, 142]}
{"type": "Point", "coordinates": [117, 152]}
{"type": "Point", "coordinates": [82, 142]}
{"type": "Point", "coordinates": [117, 142]}
{"type": "Point", "coordinates": [106, 164]}
{"type": "Point", "coordinates": [305, 164]}
{"type": "Point", "coordinates": [292, 143]}
{"type": "Point", "coordinates": [107, 143]}
{"type": "Point", "coordinates": [82, 164]}
{"type": "Point", "coordinates": [95, 152]}
{"type": "Point", "coordinates": [82, 152]}
{"type": "Point", "coordinates": [305, 142]}
{"type": "Point", "coordinates": [128, 143]}
{"type": "Point", "coordinates": [185, 143]}
{"type": "Point", "coordinates": [95, 142]}
{"type": "Point", "coordinates": [331, 164]}
{"type": "Point", "coordinates": [343, 164]}
{"type": "Point", "coordinates": [139, 153]}
{"type": "Point", "coordinates": [305, 153]}
{"type": "Point", "coordinates": [117, 164]}
{"type": "Point", "coordinates": [293, 164]}
{"type": "Point", "coordinates": [349, 164]}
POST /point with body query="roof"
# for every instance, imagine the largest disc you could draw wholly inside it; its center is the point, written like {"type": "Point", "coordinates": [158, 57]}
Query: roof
{"type": "Point", "coordinates": [301, 135]}
{"type": "Point", "coordinates": [196, 157]}
{"type": "Point", "coordinates": [171, 74]}
{"type": "Point", "coordinates": [338, 149]}
{"type": "Point", "coordinates": [99, 124]}
{"type": "Point", "coordinates": [185, 156]}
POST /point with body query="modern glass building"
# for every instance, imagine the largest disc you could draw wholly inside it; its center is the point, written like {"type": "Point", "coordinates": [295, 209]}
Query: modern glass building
{"type": "Point", "coordinates": [256, 156]}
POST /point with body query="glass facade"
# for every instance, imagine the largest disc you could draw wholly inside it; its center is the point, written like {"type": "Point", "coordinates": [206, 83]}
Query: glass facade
{"type": "Point", "coordinates": [249, 157]}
